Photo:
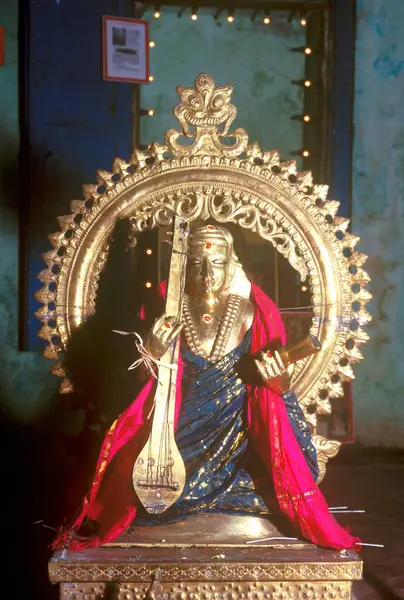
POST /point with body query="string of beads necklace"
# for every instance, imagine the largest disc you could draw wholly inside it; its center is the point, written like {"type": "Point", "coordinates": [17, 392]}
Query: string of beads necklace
{"type": "Point", "coordinates": [224, 330]}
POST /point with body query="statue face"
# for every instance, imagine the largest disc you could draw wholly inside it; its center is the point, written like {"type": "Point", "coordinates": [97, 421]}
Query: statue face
{"type": "Point", "coordinates": [208, 267]}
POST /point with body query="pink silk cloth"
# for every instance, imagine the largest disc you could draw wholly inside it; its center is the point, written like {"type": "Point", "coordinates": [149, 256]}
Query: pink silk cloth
{"type": "Point", "coordinates": [112, 501]}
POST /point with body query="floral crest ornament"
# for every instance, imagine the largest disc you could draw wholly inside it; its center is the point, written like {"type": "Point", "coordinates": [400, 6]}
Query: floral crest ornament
{"type": "Point", "coordinates": [205, 113]}
{"type": "Point", "coordinates": [218, 175]}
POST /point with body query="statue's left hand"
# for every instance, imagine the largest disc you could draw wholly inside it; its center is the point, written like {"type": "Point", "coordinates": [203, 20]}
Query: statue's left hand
{"type": "Point", "coordinates": [274, 373]}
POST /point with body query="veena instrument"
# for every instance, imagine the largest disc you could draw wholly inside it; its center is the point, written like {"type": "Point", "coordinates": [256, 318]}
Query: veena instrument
{"type": "Point", "coordinates": [159, 470]}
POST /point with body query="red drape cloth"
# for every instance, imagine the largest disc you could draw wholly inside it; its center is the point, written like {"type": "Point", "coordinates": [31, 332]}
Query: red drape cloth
{"type": "Point", "coordinates": [112, 500]}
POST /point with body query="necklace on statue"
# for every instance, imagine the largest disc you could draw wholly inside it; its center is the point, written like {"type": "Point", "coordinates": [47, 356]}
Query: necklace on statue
{"type": "Point", "coordinates": [225, 327]}
{"type": "Point", "coordinates": [207, 320]}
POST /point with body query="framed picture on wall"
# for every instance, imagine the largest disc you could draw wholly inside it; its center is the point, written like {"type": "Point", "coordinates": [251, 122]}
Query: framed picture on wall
{"type": "Point", "coordinates": [125, 49]}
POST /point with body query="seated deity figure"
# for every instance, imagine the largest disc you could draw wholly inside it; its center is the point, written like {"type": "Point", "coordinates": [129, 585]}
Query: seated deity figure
{"type": "Point", "coordinates": [242, 435]}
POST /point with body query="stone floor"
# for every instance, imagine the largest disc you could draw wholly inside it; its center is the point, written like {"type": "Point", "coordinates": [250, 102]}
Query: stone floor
{"type": "Point", "coordinates": [370, 481]}
{"type": "Point", "coordinates": [377, 487]}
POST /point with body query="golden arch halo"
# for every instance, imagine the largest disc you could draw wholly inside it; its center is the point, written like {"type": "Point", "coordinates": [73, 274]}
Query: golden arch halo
{"type": "Point", "coordinates": [234, 182]}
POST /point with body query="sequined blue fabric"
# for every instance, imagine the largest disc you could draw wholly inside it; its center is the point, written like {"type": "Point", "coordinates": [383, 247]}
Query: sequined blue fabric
{"type": "Point", "coordinates": [302, 432]}
{"type": "Point", "coordinates": [212, 438]}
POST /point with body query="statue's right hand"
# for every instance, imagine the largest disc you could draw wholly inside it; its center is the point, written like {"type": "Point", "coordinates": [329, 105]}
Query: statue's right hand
{"type": "Point", "coordinates": [163, 332]}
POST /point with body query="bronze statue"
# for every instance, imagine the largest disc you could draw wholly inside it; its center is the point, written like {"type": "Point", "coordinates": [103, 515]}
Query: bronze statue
{"type": "Point", "coordinates": [217, 442]}
{"type": "Point", "coordinates": [222, 315]}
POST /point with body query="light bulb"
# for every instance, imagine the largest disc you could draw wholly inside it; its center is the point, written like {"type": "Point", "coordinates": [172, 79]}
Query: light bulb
{"type": "Point", "coordinates": [307, 83]}
{"type": "Point", "coordinates": [151, 78]}
{"type": "Point", "coordinates": [308, 50]}
{"type": "Point", "coordinates": [267, 20]}
{"type": "Point", "coordinates": [152, 44]}
{"type": "Point", "coordinates": [157, 14]}
{"type": "Point", "coordinates": [306, 118]}
{"type": "Point", "coordinates": [150, 112]}
{"type": "Point", "coordinates": [304, 288]}
{"type": "Point", "coordinates": [306, 153]}
{"type": "Point", "coordinates": [148, 284]}
{"type": "Point", "coordinates": [230, 18]}
{"type": "Point", "coordinates": [194, 16]}
{"type": "Point", "coordinates": [149, 251]}
{"type": "Point", "coordinates": [303, 22]}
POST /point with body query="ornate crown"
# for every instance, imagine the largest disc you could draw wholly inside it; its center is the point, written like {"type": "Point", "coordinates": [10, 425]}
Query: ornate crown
{"type": "Point", "coordinates": [216, 235]}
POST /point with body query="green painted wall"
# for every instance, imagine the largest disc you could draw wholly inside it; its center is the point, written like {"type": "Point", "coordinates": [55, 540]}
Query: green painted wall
{"type": "Point", "coordinates": [378, 207]}
{"type": "Point", "coordinates": [26, 386]}
{"type": "Point", "coordinates": [255, 58]}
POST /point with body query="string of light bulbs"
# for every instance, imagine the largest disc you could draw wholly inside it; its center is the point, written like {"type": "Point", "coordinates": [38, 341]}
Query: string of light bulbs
{"type": "Point", "coordinates": [266, 20]}
{"type": "Point", "coordinates": [306, 84]}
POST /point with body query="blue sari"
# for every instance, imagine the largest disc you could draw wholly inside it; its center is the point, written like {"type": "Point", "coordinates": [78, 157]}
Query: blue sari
{"type": "Point", "coordinates": [212, 438]}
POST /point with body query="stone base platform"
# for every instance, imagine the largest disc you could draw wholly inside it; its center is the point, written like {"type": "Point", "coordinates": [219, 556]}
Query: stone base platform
{"type": "Point", "coordinates": [206, 557]}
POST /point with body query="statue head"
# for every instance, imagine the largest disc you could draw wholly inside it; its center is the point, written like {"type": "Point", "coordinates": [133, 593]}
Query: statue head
{"type": "Point", "coordinates": [211, 261]}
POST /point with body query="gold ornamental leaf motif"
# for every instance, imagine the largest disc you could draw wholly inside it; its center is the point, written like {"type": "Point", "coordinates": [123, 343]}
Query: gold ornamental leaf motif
{"type": "Point", "coordinates": [326, 449]}
{"type": "Point", "coordinates": [230, 180]}
{"type": "Point", "coordinates": [206, 114]}
{"type": "Point", "coordinates": [205, 105]}
{"type": "Point", "coordinates": [51, 352]}
{"type": "Point", "coordinates": [58, 370]}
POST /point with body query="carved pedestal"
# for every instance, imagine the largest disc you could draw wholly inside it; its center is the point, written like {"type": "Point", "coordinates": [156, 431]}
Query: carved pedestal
{"type": "Point", "coordinates": [205, 558]}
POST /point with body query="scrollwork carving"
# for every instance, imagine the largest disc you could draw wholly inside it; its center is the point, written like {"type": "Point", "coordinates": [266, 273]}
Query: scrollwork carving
{"type": "Point", "coordinates": [224, 209]}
